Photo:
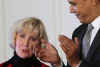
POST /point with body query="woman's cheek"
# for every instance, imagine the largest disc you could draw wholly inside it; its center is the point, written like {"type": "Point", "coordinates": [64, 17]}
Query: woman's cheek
{"type": "Point", "coordinates": [19, 43]}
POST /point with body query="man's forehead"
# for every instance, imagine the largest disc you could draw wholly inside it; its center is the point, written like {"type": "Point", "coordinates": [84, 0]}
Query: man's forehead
{"type": "Point", "coordinates": [72, 0]}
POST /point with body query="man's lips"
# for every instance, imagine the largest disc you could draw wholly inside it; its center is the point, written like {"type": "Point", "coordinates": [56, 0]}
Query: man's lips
{"type": "Point", "coordinates": [79, 16]}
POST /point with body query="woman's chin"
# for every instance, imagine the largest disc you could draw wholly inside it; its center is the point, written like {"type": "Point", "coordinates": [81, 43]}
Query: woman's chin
{"type": "Point", "coordinates": [25, 56]}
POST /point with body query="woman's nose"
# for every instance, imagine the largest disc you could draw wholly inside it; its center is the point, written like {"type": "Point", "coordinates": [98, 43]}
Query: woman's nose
{"type": "Point", "coordinates": [26, 42]}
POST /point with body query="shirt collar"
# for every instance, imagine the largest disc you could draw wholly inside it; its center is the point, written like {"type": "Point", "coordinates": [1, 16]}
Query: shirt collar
{"type": "Point", "coordinates": [96, 23]}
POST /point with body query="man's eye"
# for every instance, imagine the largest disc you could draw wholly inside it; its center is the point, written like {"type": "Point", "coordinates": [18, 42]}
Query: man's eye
{"type": "Point", "coordinates": [73, 4]}
{"type": "Point", "coordinates": [22, 35]}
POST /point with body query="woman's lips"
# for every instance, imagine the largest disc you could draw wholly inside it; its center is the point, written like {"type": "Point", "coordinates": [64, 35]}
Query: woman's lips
{"type": "Point", "coordinates": [25, 50]}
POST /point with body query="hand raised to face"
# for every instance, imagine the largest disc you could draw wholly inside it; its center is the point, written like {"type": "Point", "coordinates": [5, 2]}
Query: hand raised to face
{"type": "Point", "coordinates": [48, 53]}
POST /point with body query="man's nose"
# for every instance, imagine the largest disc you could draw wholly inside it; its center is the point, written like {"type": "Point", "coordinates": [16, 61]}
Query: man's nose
{"type": "Point", "coordinates": [73, 9]}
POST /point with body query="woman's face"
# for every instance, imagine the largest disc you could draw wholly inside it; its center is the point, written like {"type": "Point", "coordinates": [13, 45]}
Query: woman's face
{"type": "Point", "coordinates": [25, 43]}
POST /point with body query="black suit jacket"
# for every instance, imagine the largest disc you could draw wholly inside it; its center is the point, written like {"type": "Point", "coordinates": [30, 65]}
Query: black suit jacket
{"type": "Point", "coordinates": [93, 57]}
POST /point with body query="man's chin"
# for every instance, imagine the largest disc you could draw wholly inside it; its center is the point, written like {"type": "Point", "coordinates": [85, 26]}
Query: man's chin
{"type": "Point", "coordinates": [83, 21]}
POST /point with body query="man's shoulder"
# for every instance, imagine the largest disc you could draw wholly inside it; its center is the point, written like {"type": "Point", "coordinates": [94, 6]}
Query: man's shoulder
{"type": "Point", "coordinates": [80, 28]}
{"type": "Point", "coordinates": [78, 31]}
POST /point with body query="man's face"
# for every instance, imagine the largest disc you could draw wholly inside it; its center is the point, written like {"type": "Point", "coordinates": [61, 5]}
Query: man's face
{"type": "Point", "coordinates": [83, 9]}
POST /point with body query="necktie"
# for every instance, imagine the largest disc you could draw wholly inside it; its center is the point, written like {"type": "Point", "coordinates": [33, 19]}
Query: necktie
{"type": "Point", "coordinates": [86, 40]}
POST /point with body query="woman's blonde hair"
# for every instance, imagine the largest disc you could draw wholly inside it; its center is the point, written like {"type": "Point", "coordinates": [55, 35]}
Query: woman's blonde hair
{"type": "Point", "coordinates": [32, 23]}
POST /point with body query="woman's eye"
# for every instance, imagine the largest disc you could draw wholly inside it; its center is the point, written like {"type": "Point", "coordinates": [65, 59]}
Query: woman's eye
{"type": "Point", "coordinates": [22, 35]}
{"type": "Point", "coordinates": [33, 39]}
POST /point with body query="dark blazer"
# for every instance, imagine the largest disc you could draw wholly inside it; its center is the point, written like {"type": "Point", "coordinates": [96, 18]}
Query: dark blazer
{"type": "Point", "coordinates": [93, 57]}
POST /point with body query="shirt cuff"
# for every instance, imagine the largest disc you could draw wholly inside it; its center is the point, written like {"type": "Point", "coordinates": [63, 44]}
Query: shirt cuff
{"type": "Point", "coordinates": [61, 65]}
{"type": "Point", "coordinates": [79, 63]}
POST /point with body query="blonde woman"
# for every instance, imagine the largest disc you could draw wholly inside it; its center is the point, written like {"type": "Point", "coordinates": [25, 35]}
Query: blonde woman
{"type": "Point", "coordinates": [26, 35]}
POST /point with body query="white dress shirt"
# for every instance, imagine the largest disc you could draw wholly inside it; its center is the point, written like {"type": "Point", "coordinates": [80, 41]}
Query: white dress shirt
{"type": "Point", "coordinates": [96, 25]}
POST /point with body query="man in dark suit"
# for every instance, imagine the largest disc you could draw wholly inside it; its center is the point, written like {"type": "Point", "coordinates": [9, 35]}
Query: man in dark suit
{"type": "Point", "coordinates": [83, 50]}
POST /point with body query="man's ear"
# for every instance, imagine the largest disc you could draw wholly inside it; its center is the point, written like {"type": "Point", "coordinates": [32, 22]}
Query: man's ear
{"type": "Point", "coordinates": [95, 2]}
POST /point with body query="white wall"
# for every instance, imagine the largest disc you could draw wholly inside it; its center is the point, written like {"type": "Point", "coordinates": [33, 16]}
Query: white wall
{"type": "Point", "coordinates": [17, 9]}
{"type": "Point", "coordinates": [3, 31]}
{"type": "Point", "coordinates": [55, 15]}
{"type": "Point", "coordinates": [70, 21]}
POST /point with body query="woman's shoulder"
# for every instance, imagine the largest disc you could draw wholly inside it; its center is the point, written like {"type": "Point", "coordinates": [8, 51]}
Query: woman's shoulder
{"type": "Point", "coordinates": [5, 64]}
{"type": "Point", "coordinates": [44, 65]}
{"type": "Point", "coordinates": [1, 65]}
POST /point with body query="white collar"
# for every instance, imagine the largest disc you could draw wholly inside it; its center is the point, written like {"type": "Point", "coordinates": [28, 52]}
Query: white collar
{"type": "Point", "coordinates": [96, 23]}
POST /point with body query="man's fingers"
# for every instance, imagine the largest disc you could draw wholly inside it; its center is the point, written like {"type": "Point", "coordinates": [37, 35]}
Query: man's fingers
{"type": "Point", "coordinates": [45, 59]}
{"type": "Point", "coordinates": [41, 53]}
{"type": "Point", "coordinates": [76, 41]}
{"type": "Point", "coordinates": [65, 41]}
{"type": "Point", "coordinates": [64, 49]}
{"type": "Point", "coordinates": [62, 38]}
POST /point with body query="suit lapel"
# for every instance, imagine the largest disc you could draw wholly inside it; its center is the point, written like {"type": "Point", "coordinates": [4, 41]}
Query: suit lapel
{"type": "Point", "coordinates": [95, 44]}
{"type": "Point", "coordinates": [81, 35]}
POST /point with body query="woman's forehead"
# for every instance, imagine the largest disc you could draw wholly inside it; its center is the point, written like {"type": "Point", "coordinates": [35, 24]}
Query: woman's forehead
{"type": "Point", "coordinates": [33, 32]}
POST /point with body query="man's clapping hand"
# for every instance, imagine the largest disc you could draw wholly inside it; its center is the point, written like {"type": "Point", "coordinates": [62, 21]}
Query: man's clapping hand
{"type": "Point", "coordinates": [71, 49]}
